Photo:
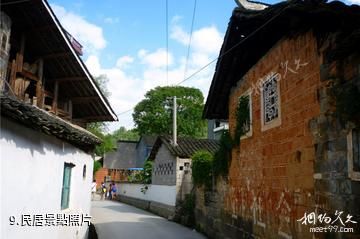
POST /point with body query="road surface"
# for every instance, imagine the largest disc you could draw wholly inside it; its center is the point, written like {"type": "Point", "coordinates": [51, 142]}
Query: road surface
{"type": "Point", "coordinates": [117, 220]}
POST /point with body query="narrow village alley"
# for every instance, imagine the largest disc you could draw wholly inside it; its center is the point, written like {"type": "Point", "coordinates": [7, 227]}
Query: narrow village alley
{"type": "Point", "coordinates": [118, 220]}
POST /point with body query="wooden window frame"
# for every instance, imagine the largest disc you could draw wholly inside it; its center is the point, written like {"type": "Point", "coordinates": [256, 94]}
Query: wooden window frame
{"type": "Point", "coordinates": [66, 186]}
{"type": "Point", "coordinates": [354, 175]}
{"type": "Point", "coordinates": [250, 132]}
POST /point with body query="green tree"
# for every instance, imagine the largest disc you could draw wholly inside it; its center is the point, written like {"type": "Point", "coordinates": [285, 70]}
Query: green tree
{"type": "Point", "coordinates": [153, 115]}
{"type": "Point", "coordinates": [202, 167]}
{"type": "Point", "coordinates": [99, 128]}
{"type": "Point", "coordinates": [97, 166]}
{"type": "Point", "coordinates": [123, 134]}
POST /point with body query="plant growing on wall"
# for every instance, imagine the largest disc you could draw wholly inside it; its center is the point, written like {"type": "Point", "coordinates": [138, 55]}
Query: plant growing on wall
{"type": "Point", "coordinates": [222, 157]}
{"type": "Point", "coordinates": [147, 172]}
{"type": "Point", "coordinates": [242, 118]}
{"type": "Point", "coordinates": [202, 163]}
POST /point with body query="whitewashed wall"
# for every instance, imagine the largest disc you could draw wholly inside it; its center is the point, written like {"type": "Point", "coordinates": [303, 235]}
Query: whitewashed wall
{"type": "Point", "coordinates": [157, 193]}
{"type": "Point", "coordinates": [31, 167]}
{"type": "Point", "coordinates": [184, 183]}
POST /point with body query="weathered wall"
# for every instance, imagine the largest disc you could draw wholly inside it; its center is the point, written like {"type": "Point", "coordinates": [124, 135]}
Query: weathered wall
{"type": "Point", "coordinates": [183, 178]}
{"type": "Point", "coordinates": [335, 188]}
{"type": "Point", "coordinates": [300, 166]}
{"type": "Point", "coordinates": [100, 176]}
{"type": "Point", "coordinates": [31, 176]}
{"type": "Point", "coordinates": [271, 181]}
{"type": "Point", "coordinates": [164, 168]}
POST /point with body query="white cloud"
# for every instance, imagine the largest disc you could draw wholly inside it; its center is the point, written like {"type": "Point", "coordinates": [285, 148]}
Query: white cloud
{"type": "Point", "coordinates": [156, 59]}
{"type": "Point", "coordinates": [205, 40]}
{"type": "Point", "coordinates": [128, 87]}
{"type": "Point", "coordinates": [88, 34]}
{"type": "Point", "coordinates": [354, 2]}
{"type": "Point", "coordinates": [176, 19]}
{"type": "Point", "coordinates": [178, 34]}
{"type": "Point", "coordinates": [93, 64]}
{"type": "Point", "coordinates": [111, 20]}
{"type": "Point", "coordinates": [123, 62]}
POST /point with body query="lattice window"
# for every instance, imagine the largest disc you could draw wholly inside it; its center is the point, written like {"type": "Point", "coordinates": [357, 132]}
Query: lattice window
{"type": "Point", "coordinates": [270, 102]}
{"type": "Point", "coordinates": [164, 169]}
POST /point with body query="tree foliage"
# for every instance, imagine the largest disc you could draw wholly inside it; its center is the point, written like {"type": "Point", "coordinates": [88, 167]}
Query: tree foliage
{"type": "Point", "coordinates": [97, 166]}
{"type": "Point", "coordinates": [153, 115]}
{"type": "Point", "coordinates": [123, 134]}
{"type": "Point", "coordinates": [202, 167]}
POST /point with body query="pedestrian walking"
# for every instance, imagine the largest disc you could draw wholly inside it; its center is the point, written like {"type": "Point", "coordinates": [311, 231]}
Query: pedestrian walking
{"type": "Point", "coordinates": [103, 190]}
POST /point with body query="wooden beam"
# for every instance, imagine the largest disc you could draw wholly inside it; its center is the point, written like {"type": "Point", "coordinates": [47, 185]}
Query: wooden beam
{"type": "Point", "coordinates": [70, 109]}
{"type": "Point", "coordinates": [28, 75]}
{"type": "Point", "coordinates": [39, 29]}
{"type": "Point", "coordinates": [67, 79]}
{"type": "Point", "coordinates": [55, 55]}
{"type": "Point", "coordinates": [20, 55]}
{"type": "Point", "coordinates": [12, 75]}
{"type": "Point", "coordinates": [39, 86]}
{"type": "Point", "coordinates": [84, 99]}
{"type": "Point", "coordinates": [55, 100]}
{"type": "Point", "coordinates": [94, 118]}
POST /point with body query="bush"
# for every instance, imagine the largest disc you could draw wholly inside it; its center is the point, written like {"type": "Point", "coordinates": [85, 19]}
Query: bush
{"type": "Point", "coordinates": [97, 166]}
{"type": "Point", "coordinates": [222, 157]}
{"type": "Point", "coordinates": [202, 162]}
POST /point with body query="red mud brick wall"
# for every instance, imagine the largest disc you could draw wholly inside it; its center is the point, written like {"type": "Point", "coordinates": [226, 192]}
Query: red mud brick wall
{"type": "Point", "coordinates": [271, 179]}
{"type": "Point", "coordinates": [100, 176]}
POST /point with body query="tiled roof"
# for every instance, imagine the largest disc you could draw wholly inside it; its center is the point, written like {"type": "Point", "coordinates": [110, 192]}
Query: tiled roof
{"type": "Point", "coordinates": [251, 34]}
{"type": "Point", "coordinates": [123, 158]}
{"type": "Point", "coordinates": [185, 147]}
{"type": "Point", "coordinates": [38, 119]}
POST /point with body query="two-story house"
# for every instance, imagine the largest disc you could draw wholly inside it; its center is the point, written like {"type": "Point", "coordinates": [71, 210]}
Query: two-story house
{"type": "Point", "coordinates": [47, 98]}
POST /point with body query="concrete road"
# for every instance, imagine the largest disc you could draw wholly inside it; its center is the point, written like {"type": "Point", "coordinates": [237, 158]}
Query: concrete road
{"type": "Point", "coordinates": [117, 220]}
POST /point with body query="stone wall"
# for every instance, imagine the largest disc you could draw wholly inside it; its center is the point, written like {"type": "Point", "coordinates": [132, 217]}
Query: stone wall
{"type": "Point", "coordinates": [335, 188]}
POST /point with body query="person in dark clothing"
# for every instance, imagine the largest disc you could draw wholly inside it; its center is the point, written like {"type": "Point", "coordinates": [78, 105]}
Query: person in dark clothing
{"type": "Point", "coordinates": [110, 191]}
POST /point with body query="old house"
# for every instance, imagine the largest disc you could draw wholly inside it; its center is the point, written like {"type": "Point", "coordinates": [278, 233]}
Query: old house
{"type": "Point", "coordinates": [288, 80]}
{"type": "Point", "coordinates": [172, 163]}
{"type": "Point", "coordinates": [126, 160]}
{"type": "Point", "coordinates": [216, 128]}
{"type": "Point", "coordinates": [47, 98]}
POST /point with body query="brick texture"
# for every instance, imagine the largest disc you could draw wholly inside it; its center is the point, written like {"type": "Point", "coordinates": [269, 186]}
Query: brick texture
{"type": "Point", "coordinates": [271, 174]}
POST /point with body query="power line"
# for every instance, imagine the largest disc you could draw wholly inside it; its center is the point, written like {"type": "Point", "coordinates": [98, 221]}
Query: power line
{"type": "Point", "coordinates": [126, 111]}
{"type": "Point", "coordinates": [226, 52]}
{"type": "Point", "coordinates": [233, 47]}
{"type": "Point", "coordinates": [167, 42]}
{"type": "Point", "coordinates": [190, 38]}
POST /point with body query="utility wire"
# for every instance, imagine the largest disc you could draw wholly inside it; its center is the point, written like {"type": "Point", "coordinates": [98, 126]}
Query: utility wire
{"type": "Point", "coordinates": [233, 47]}
{"type": "Point", "coordinates": [228, 51]}
{"type": "Point", "coordinates": [167, 41]}
{"type": "Point", "coordinates": [190, 38]}
{"type": "Point", "coordinates": [126, 111]}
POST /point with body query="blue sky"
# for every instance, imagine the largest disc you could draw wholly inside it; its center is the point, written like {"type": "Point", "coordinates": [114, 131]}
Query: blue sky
{"type": "Point", "coordinates": [126, 40]}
